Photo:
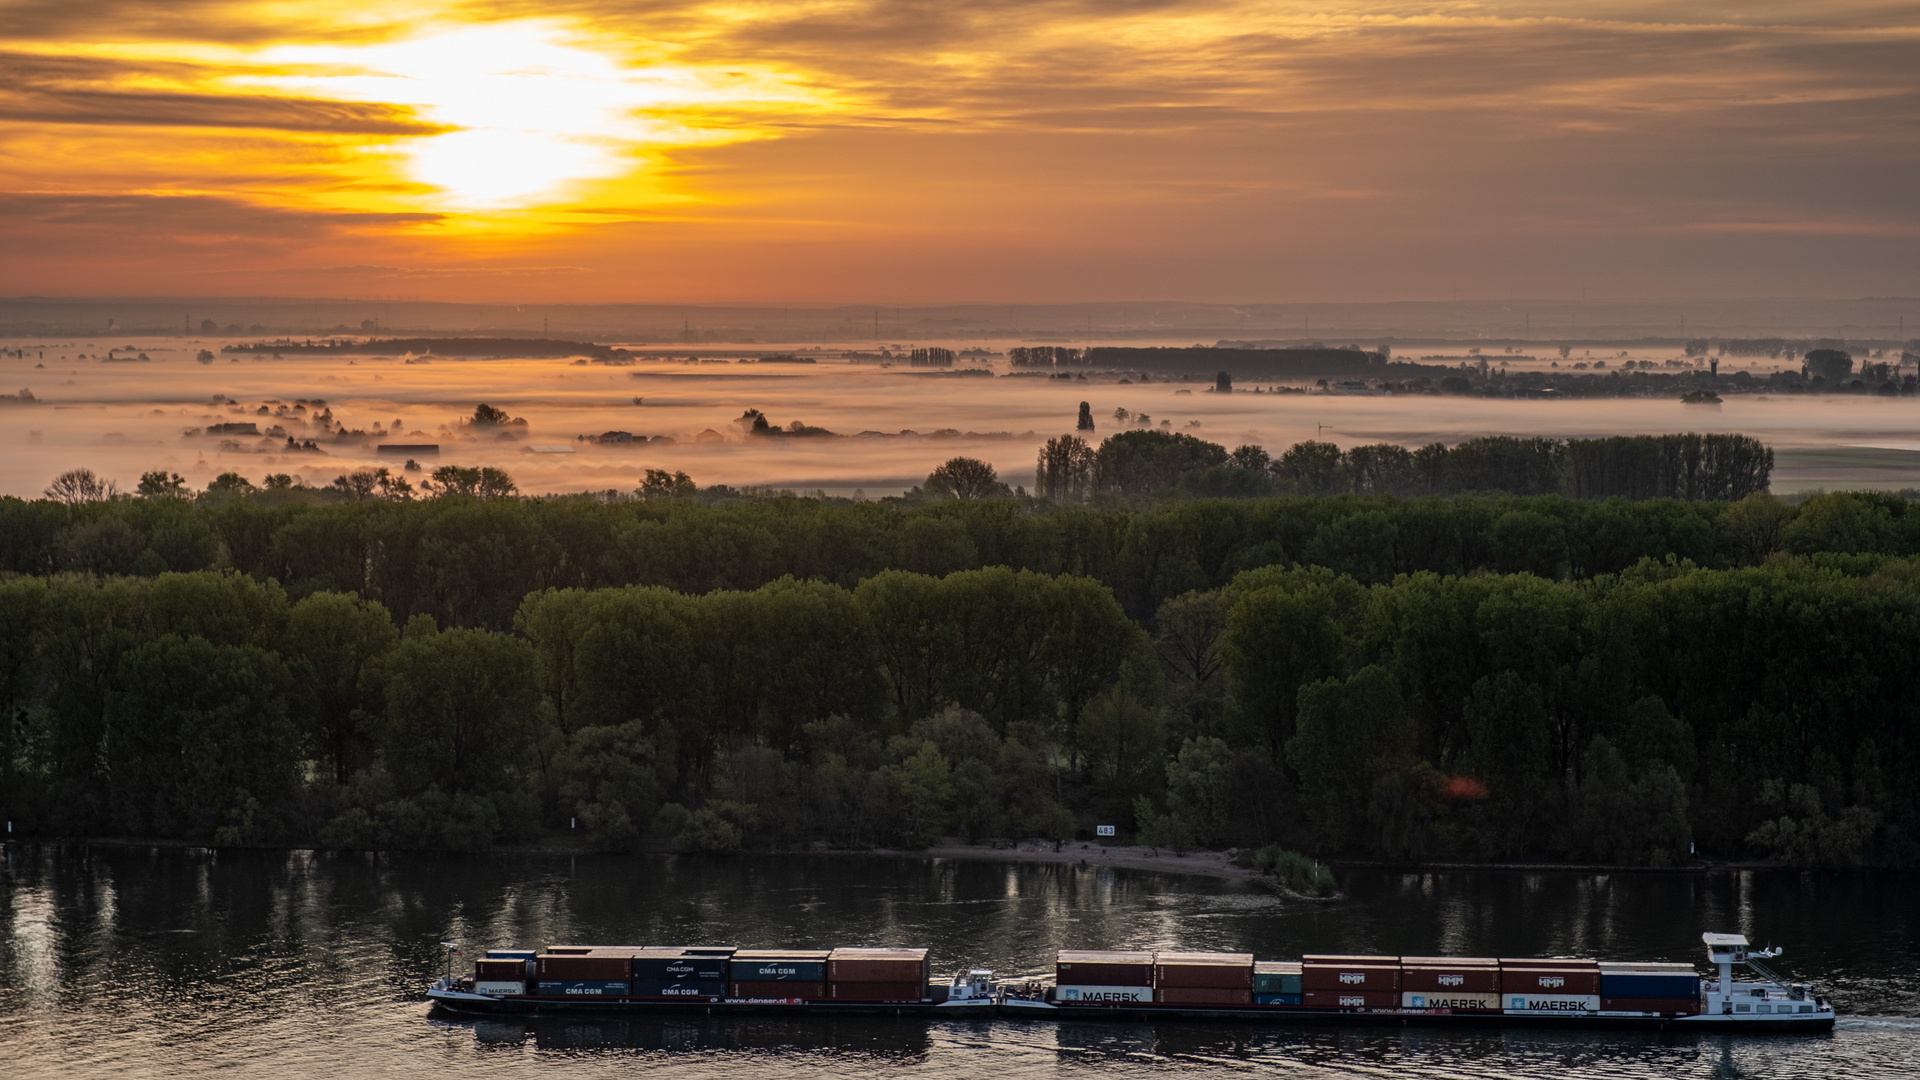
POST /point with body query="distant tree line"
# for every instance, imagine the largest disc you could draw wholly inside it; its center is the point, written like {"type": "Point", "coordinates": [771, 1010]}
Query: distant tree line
{"type": "Point", "coordinates": [468, 561]}
{"type": "Point", "coordinates": [1046, 356]}
{"type": "Point", "coordinates": [1147, 462]}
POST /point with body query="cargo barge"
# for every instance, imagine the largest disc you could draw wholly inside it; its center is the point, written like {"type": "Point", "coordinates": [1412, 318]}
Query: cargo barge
{"type": "Point", "coordinates": [1148, 986]}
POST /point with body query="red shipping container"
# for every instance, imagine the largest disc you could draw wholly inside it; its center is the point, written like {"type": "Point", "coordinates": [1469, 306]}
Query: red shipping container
{"type": "Point", "coordinates": [1202, 995]}
{"type": "Point", "coordinates": [877, 965]}
{"type": "Point", "coordinates": [1334, 958]}
{"type": "Point", "coordinates": [876, 991]}
{"type": "Point", "coordinates": [1350, 999]}
{"type": "Point", "coordinates": [576, 968]}
{"type": "Point", "coordinates": [1378, 978]}
{"type": "Point", "coordinates": [1457, 980]}
{"type": "Point", "coordinates": [811, 991]}
{"type": "Point", "coordinates": [1675, 1006]}
{"type": "Point", "coordinates": [500, 970]}
{"type": "Point", "coordinates": [1550, 980]}
{"type": "Point", "coordinates": [1213, 971]}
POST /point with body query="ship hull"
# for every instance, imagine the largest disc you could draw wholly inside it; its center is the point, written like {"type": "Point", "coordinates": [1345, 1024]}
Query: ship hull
{"type": "Point", "coordinates": [1297, 1015]}
{"type": "Point", "coordinates": [465, 1004]}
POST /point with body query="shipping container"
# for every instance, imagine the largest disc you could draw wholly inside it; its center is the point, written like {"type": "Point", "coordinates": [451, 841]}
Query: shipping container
{"type": "Point", "coordinates": [494, 970]}
{"type": "Point", "coordinates": [1450, 961]}
{"type": "Point", "coordinates": [499, 988]}
{"type": "Point", "coordinates": [1350, 999]}
{"type": "Point", "coordinates": [1276, 977]}
{"type": "Point", "coordinates": [579, 967]}
{"type": "Point", "coordinates": [1552, 981]}
{"type": "Point", "coordinates": [1547, 961]}
{"type": "Point", "coordinates": [1207, 971]}
{"type": "Point", "coordinates": [680, 988]}
{"type": "Point", "coordinates": [1103, 994]}
{"type": "Point", "coordinates": [1324, 959]}
{"type": "Point", "coordinates": [780, 965]}
{"type": "Point", "coordinates": [511, 954]}
{"type": "Point", "coordinates": [806, 991]}
{"type": "Point", "coordinates": [1649, 981]}
{"type": "Point", "coordinates": [662, 968]}
{"type": "Point", "coordinates": [1448, 999]}
{"type": "Point", "coordinates": [1450, 980]}
{"type": "Point", "coordinates": [1550, 1003]}
{"type": "Point", "coordinates": [877, 991]}
{"type": "Point", "coordinates": [1202, 995]}
{"type": "Point", "coordinates": [877, 965]}
{"type": "Point", "coordinates": [1666, 1006]}
{"type": "Point", "coordinates": [583, 988]}
{"type": "Point", "coordinates": [1103, 968]}
{"type": "Point", "coordinates": [1381, 978]}
{"type": "Point", "coordinates": [1276, 999]}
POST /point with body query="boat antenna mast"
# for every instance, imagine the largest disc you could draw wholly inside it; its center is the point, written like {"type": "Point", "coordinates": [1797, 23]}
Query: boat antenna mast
{"type": "Point", "coordinates": [1753, 961]}
{"type": "Point", "coordinates": [453, 950]}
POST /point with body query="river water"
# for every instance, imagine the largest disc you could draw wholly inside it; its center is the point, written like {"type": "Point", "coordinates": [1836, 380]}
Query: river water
{"type": "Point", "coordinates": [167, 962]}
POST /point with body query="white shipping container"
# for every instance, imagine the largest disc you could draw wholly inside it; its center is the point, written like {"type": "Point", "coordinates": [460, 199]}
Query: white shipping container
{"type": "Point", "coordinates": [1103, 994]}
{"type": "Point", "coordinates": [1447, 999]}
{"type": "Point", "coordinates": [1551, 1003]}
{"type": "Point", "coordinates": [500, 989]}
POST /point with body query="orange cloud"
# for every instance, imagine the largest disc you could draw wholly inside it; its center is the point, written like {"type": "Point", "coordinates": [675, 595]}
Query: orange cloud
{"type": "Point", "coordinates": [1054, 150]}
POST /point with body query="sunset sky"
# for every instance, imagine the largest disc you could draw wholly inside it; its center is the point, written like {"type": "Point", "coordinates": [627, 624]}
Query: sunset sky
{"type": "Point", "coordinates": [986, 150]}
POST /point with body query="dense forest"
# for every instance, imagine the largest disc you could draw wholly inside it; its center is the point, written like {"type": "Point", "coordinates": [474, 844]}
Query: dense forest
{"type": "Point", "coordinates": [1466, 676]}
{"type": "Point", "coordinates": [1760, 711]}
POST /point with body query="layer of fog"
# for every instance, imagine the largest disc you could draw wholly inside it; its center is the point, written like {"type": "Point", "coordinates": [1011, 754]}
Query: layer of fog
{"type": "Point", "coordinates": [122, 418]}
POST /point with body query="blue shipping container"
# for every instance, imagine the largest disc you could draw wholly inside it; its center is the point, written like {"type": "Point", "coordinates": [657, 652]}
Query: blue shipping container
{"type": "Point", "coordinates": [1649, 986]}
{"type": "Point", "coordinates": [1276, 999]}
{"type": "Point", "coordinates": [779, 971]}
{"type": "Point", "coordinates": [691, 988]}
{"type": "Point", "coordinates": [511, 954]}
{"type": "Point", "coordinates": [583, 989]}
{"type": "Point", "coordinates": [681, 968]}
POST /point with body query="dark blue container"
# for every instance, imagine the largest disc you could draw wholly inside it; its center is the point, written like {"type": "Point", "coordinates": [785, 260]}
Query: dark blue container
{"type": "Point", "coordinates": [681, 968]}
{"type": "Point", "coordinates": [1276, 999]}
{"type": "Point", "coordinates": [511, 954]}
{"type": "Point", "coordinates": [686, 988]}
{"type": "Point", "coordinates": [578, 989]}
{"type": "Point", "coordinates": [779, 971]}
{"type": "Point", "coordinates": [1649, 986]}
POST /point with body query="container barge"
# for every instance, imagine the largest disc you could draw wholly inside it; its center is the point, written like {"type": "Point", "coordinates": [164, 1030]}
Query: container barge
{"type": "Point", "coordinates": [1148, 986]}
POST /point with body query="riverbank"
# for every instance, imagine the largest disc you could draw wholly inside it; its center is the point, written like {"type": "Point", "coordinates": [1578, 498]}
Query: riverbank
{"type": "Point", "coordinates": [1215, 864]}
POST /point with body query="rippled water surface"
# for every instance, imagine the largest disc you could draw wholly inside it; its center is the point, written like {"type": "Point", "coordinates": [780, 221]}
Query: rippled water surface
{"type": "Point", "coordinates": [137, 962]}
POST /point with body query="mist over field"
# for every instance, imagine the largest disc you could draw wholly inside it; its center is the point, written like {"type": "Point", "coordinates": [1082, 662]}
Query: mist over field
{"type": "Point", "coordinates": [890, 425]}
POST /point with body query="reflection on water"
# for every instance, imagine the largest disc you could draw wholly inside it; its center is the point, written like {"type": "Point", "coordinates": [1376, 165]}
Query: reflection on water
{"type": "Point", "coordinates": [871, 1038]}
{"type": "Point", "coordinates": [119, 962]}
